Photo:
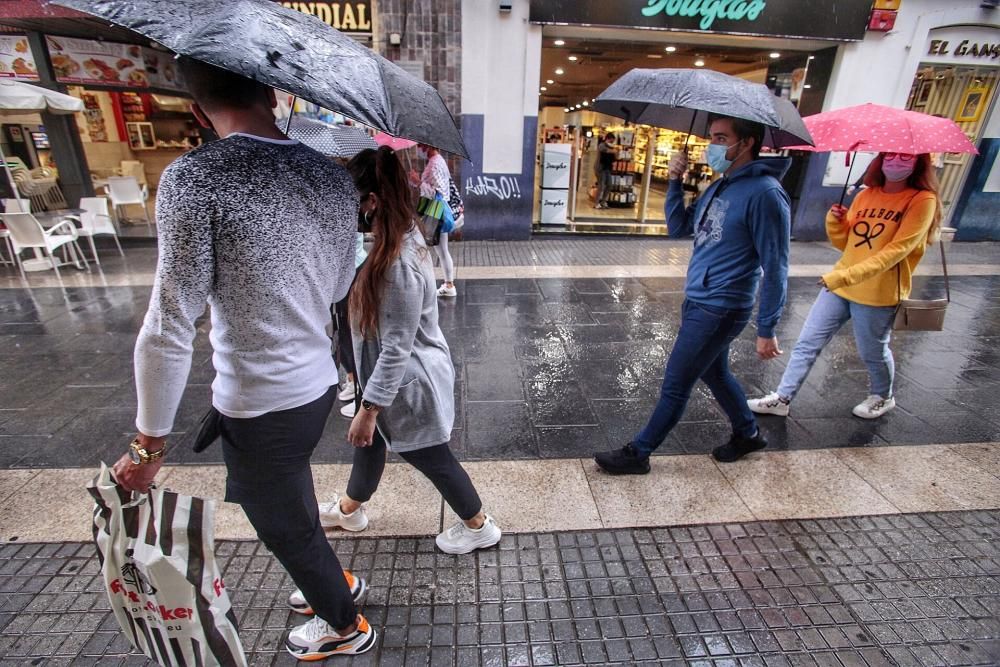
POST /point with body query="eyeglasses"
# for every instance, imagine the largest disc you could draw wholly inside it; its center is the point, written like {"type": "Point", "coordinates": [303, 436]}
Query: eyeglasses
{"type": "Point", "coordinates": [902, 157]}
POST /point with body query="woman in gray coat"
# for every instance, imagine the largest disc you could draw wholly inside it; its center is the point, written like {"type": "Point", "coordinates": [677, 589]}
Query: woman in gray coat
{"type": "Point", "coordinates": [407, 402]}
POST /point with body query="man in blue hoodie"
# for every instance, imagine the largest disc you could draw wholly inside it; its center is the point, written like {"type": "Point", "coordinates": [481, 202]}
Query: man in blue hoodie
{"type": "Point", "coordinates": [741, 226]}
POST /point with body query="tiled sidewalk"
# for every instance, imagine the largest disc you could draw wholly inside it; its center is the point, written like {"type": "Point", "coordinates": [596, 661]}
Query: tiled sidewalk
{"type": "Point", "coordinates": [920, 590]}
{"type": "Point", "coordinates": [573, 494]}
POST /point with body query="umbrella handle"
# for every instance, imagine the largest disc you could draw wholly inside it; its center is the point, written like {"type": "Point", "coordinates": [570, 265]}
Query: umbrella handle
{"type": "Point", "coordinates": [291, 112]}
{"type": "Point", "coordinates": [847, 183]}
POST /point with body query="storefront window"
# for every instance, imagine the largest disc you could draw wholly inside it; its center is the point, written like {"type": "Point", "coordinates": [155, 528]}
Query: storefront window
{"type": "Point", "coordinates": [964, 94]}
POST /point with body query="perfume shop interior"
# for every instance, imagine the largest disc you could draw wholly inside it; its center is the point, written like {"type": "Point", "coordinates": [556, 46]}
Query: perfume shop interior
{"type": "Point", "coordinates": [574, 71]}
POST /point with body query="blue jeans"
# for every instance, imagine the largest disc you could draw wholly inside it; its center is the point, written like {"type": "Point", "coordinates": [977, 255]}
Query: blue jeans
{"type": "Point", "coordinates": [603, 185]}
{"type": "Point", "coordinates": [700, 352]}
{"type": "Point", "coordinates": [872, 328]}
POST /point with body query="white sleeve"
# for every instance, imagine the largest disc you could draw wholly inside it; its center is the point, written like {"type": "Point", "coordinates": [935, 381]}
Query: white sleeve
{"type": "Point", "coordinates": [184, 274]}
{"type": "Point", "coordinates": [435, 179]}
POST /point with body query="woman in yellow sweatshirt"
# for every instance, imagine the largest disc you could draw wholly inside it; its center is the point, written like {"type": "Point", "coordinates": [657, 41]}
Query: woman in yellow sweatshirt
{"type": "Point", "coordinates": [883, 237]}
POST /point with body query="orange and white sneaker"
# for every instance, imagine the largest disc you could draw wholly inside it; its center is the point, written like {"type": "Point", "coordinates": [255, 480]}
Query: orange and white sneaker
{"type": "Point", "coordinates": [316, 640]}
{"type": "Point", "coordinates": [358, 586]}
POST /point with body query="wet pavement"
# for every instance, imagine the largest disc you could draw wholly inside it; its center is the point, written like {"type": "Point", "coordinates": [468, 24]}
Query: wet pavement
{"type": "Point", "coordinates": [908, 590]}
{"type": "Point", "coordinates": [546, 368]}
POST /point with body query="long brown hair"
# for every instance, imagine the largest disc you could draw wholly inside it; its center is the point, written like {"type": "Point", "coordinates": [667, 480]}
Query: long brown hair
{"type": "Point", "coordinates": [924, 177]}
{"type": "Point", "coordinates": [380, 172]}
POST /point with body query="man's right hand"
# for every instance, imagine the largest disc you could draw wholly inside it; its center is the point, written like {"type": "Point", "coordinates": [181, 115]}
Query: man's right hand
{"type": "Point", "coordinates": [678, 165]}
{"type": "Point", "coordinates": [767, 348]}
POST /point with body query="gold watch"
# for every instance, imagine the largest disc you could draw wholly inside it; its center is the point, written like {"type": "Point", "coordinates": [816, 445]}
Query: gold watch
{"type": "Point", "coordinates": [139, 456]}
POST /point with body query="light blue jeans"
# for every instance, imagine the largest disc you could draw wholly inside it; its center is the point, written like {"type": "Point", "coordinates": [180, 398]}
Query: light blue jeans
{"type": "Point", "coordinates": [872, 328]}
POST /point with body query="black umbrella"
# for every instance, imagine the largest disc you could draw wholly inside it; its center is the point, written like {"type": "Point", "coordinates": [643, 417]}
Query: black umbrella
{"type": "Point", "coordinates": [682, 99]}
{"type": "Point", "coordinates": [293, 52]}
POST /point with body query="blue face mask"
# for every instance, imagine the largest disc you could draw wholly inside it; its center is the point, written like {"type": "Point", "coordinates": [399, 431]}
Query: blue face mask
{"type": "Point", "coordinates": [716, 157]}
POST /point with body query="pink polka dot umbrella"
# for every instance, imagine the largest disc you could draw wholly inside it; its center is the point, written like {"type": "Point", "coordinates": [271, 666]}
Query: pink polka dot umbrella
{"type": "Point", "coordinates": [876, 128]}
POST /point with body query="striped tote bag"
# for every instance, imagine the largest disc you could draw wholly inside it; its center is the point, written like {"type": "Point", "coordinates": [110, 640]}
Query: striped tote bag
{"type": "Point", "coordinates": [157, 556]}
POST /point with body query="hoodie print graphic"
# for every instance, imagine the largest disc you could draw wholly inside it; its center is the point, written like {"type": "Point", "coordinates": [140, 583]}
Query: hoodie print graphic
{"type": "Point", "coordinates": [710, 230]}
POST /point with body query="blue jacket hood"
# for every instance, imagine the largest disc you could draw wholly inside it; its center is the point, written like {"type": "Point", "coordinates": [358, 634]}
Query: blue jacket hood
{"type": "Point", "coordinates": [764, 166]}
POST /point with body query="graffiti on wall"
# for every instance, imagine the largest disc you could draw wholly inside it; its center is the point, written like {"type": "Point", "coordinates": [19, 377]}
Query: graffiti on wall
{"type": "Point", "coordinates": [501, 187]}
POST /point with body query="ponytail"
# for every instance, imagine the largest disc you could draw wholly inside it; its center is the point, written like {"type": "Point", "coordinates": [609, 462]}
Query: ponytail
{"type": "Point", "coordinates": [379, 172]}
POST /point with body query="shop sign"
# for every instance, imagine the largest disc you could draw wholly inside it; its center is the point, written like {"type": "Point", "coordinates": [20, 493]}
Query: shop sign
{"type": "Point", "coordinates": [82, 61]}
{"type": "Point", "coordinates": [966, 48]}
{"type": "Point", "coordinates": [16, 61]}
{"type": "Point", "coordinates": [841, 20]}
{"type": "Point", "coordinates": [350, 17]}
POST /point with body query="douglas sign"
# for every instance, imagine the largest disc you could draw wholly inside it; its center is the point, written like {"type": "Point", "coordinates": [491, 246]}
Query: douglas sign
{"type": "Point", "coordinates": [844, 20]}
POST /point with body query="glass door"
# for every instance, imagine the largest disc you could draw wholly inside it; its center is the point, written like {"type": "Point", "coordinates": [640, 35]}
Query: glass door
{"type": "Point", "coordinates": [963, 94]}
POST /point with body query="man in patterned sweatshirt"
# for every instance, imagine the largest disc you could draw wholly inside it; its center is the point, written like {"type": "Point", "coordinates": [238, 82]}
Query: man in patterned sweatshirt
{"type": "Point", "coordinates": [741, 227]}
{"type": "Point", "coordinates": [262, 229]}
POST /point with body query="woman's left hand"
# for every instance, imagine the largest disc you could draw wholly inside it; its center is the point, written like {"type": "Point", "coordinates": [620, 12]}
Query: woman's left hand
{"type": "Point", "coordinates": [362, 428]}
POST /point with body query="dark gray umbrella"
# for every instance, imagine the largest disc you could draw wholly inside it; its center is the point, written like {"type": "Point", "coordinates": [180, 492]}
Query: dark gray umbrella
{"type": "Point", "coordinates": [293, 52]}
{"type": "Point", "coordinates": [344, 141]}
{"type": "Point", "coordinates": [682, 99]}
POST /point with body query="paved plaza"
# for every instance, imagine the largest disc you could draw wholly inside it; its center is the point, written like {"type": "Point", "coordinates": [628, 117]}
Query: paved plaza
{"type": "Point", "coordinates": [846, 542]}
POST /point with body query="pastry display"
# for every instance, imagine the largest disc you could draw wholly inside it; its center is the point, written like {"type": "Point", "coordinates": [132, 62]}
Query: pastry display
{"type": "Point", "coordinates": [64, 66]}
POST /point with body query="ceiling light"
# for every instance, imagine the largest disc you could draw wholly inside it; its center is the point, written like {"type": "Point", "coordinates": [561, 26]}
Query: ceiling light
{"type": "Point", "coordinates": [574, 58]}
{"type": "Point", "coordinates": [543, 89]}
{"type": "Point", "coordinates": [549, 81]}
{"type": "Point", "coordinates": [578, 106]}
{"type": "Point", "coordinates": [670, 49]}
{"type": "Point", "coordinates": [566, 110]}
{"type": "Point", "coordinates": [808, 85]}
{"type": "Point", "coordinates": [560, 70]}
{"type": "Point", "coordinates": [559, 42]}
{"type": "Point", "coordinates": [655, 56]}
{"type": "Point", "coordinates": [775, 54]}
{"type": "Point", "coordinates": [812, 57]}
{"type": "Point", "coordinates": [699, 63]}
{"type": "Point", "coordinates": [586, 103]}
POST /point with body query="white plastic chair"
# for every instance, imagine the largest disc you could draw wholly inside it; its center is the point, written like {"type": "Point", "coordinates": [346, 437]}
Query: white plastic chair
{"type": "Point", "coordinates": [27, 232]}
{"type": "Point", "coordinates": [12, 206]}
{"type": "Point", "coordinates": [125, 190]}
{"type": "Point", "coordinates": [135, 169]}
{"type": "Point", "coordinates": [96, 220]}
{"type": "Point", "coordinates": [17, 206]}
{"type": "Point", "coordinates": [5, 237]}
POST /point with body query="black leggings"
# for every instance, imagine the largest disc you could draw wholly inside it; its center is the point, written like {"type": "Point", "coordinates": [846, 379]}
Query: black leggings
{"type": "Point", "coordinates": [437, 464]}
{"type": "Point", "coordinates": [267, 460]}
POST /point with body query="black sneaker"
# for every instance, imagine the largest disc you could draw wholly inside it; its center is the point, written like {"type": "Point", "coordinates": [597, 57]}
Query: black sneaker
{"type": "Point", "coordinates": [624, 461]}
{"type": "Point", "coordinates": [738, 447]}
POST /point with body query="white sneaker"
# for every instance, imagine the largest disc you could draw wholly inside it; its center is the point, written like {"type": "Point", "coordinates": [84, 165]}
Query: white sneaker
{"type": "Point", "coordinates": [769, 405]}
{"type": "Point", "coordinates": [348, 410]}
{"type": "Point", "coordinates": [359, 588]}
{"type": "Point", "coordinates": [873, 407]}
{"type": "Point", "coordinates": [330, 516]}
{"type": "Point", "coordinates": [444, 290]}
{"type": "Point", "coordinates": [315, 640]}
{"type": "Point", "coordinates": [460, 539]}
{"type": "Point", "coordinates": [346, 393]}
